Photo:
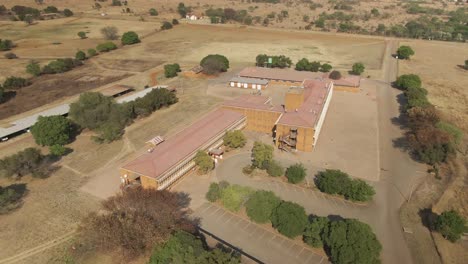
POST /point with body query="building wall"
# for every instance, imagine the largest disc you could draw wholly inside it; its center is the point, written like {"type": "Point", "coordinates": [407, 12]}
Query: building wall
{"type": "Point", "coordinates": [305, 136]}
{"type": "Point", "coordinates": [148, 183]}
{"type": "Point", "coordinates": [323, 114]}
{"type": "Point", "coordinates": [247, 85]}
{"type": "Point", "coordinates": [347, 89]}
{"type": "Point", "coordinates": [289, 83]}
{"type": "Point", "coordinates": [257, 120]}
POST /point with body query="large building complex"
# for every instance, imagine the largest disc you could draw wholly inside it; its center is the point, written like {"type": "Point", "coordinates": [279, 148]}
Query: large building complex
{"type": "Point", "coordinates": [173, 158]}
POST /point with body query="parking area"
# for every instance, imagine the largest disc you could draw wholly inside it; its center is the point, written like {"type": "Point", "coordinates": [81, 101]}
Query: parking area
{"type": "Point", "coordinates": [260, 242]}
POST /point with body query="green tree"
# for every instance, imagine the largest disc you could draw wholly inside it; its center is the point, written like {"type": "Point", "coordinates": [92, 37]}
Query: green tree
{"type": "Point", "coordinates": [80, 55]}
{"type": "Point", "coordinates": [325, 67]}
{"type": "Point", "coordinates": [204, 162]}
{"type": "Point", "coordinates": [129, 38]}
{"type": "Point", "coordinates": [416, 97]}
{"type": "Point", "coordinates": [106, 46]}
{"type": "Point", "coordinates": [166, 25]}
{"type": "Point", "coordinates": [405, 52]}
{"type": "Point", "coordinates": [314, 231]}
{"type": "Point", "coordinates": [11, 197]}
{"type": "Point", "coordinates": [52, 130]}
{"type": "Point", "coordinates": [274, 169]}
{"type": "Point", "coordinates": [332, 181]}
{"type": "Point", "coordinates": [51, 9]}
{"type": "Point", "coordinates": [234, 139]}
{"type": "Point", "coordinates": [262, 154]}
{"type": "Point", "coordinates": [234, 196]}
{"type": "Point", "coordinates": [451, 225]}
{"type": "Point", "coordinates": [67, 12]}
{"type": "Point", "coordinates": [214, 63]}
{"type": "Point", "coordinates": [175, 22]}
{"type": "Point", "coordinates": [82, 34]}
{"type": "Point", "coordinates": [183, 10]}
{"type": "Point", "coordinates": [6, 44]}
{"type": "Point", "coordinates": [153, 12]}
{"type": "Point", "coordinates": [335, 75]}
{"type": "Point", "coordinates": [358, 68]}
{"type": "Point", "coordinates": [303, 65]}
{"type": "Point", "coordinates": [314, 66]}
{"type": "Point", "coordinates": [289, 219]}
{"type": "Point", "coordinates": [13, 82]}
{"type": "Point", "coordinates": [359, 190]}
{"type": "Point", "coordinates": [33, 68]}
{"type": "Point", "coordinates": [406, 81]}
{"type": "Point", "coordinates": [27, 161]}
{"type": "Point", "coordinates": [214, 192]}
{"type": "Point", "coordinates": [58, 150]}
{"type": "Point", "coordinates": [171, 70]}
{"type": "Point", "coordinates": [91, 110]}
{"type": "Point", "coordinates": [91, 53]}
{"type": "Point", "coordinates": [351, 241]}
{"type": "Point", "coordinates": [260, 206]}
{"type": "Point", "coordinates": [296, 173]}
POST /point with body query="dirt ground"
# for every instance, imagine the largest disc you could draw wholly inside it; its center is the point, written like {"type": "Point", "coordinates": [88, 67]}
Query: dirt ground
{"type": "Point", "coordinates": [437, 63]}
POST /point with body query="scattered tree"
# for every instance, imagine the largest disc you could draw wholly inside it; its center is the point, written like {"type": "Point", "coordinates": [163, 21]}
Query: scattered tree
{"type": "Point", "coordinates": [289, 219]}
{"type": "Point", "coordinates": [6, 44]}
{"type": "Point", "coordinates": [234, 139]}
{"type": "Point", "coordinates": [451, 225]}
{"type": "Point", "coordinates": [466, 64]}
{"type": "Point", "coordinates": [171, 70]}
{"type": "Point", "coordinates": [406, 81]}
{"type": "Point", "coordinates": [28, 161]}
{"type": "Point", "coordinates": [274, 169]}
{"type": "Point", "coordinates": [281, 61]}
{"type": "Point", "coordinates": [260, 206]}
{"type": "Point", "coordinates": [13, 82]}
{"type": "Point", "coordinates": [262, 154]}
{"type": "Point", "coordinates": [335, 75]}
{"type": "Point", "coordinates": [214, 63]}
{"type": "Point", "coordinates": [33, 68]}
{"type": "Point", "coordinates": [296, 173]}
{"type": "Point", "coordinates": [325, 67]}
{"type": "Point", "coordinates": [28, 19]}
{"type": "Point", "coordinates": [91, 53]}
{"type": "Point", "coordinates": [129, 38]}
{"type": "Point", "coordinates": [358, 68]}
{"type": "Point", "coordinates": [127, 221]}
{"type": "Point", "coordinates": [80, 55]}
{"type": "Point", "coordinates": [11, 197]}
{"type": "Point", "coordinates": [67, 12]}
{"type": "Point", "coordinates": [214, 192]}
{"type": "Point", "coordinates": [110, 32]}
{"type": "Point", "coordinates": [106, 46]}
{"type": "Point", "coordinates": [82, 34]}
{"type": "Point", "coordinates": [52, 130]}
{"type": "Point", "coordinates": [183, 10]}
{"type": "Point", "coordinates": [338, 182]}
{"type": "Point", "coordinates": [166, 25]}
{"type": "Point", "coordinates": [175, 22]}
{"type": "Point", "coordinates": [61, 65]}
{"type": "Point", "coordinates": [51, 9]}
{"type": "Point", "coordinates": [204, 162]}
{"type": "Point", "coordinates": [10, 55]}
{"type": "Point", "coordinates": [405, 52]}
{"type": "Point", "coordinates": [58, 150]}
{"type": "Point", "coordinates": [153, 12]}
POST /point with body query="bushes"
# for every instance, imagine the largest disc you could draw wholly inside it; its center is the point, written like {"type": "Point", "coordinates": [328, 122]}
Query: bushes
{"type": "Point", "coordinates": [91, 53]}
{"type": "Point", "coordinates": [416, 97]}
{"type": "Point", "coordinates": [52, 130]}
{"type": "Point", "coordinates": [351, 241]}
{"type": "Point", "coordinates": [260, 206]}
{"type": "Point", "coordinates": [10, 197]}
{"type": "Point", "coordinates": [234, 196]}
{"type": "Point", "coordinates": [33, 68]}
{"type": "Point", "coordinates": [430, 144]}
{"type": "Point", "coordinates": [405, 52]}
{"type": "Point", "coordinates": [214, 63]}
{"type": "Point", "coordinates": [305, 65]}
{"type": "Point", "coordinates": [274, 169]}
{"type": "Point", "coordinates": [204, 162]}
{"type": "Point", "coordinates": [6, 44]}
{"type": "Point", "coordinates": [166, 25]}
{"type": "Point", "coordinates": [153, 12]}
{"type": "Point", "coordinates": [171, 70]}
{"type": "Point", "coordinates": [289, 219]}
{"type": "Point", "coordinates": [338, 182]}
{"type": "Point", "coordinates": [234, 139]}
{"type": "Point", "coordinates": [80, 55]}
{"type": "Point", "coordinates": [406, 81]}
{"type": "Point", "coordinates": [451, 225]}
{"type": "Point", "coordinates": [129, 38]}
{"type": "Point", "coordinates": [314, 231]}
{"type": "Point", "coordinates": [106, 46]}
{"type": "Point", "coordinates": [82, 35]}
{"type": "Point", "coordinates": [61, 65]}
{"type": "Point", "coordinates": [358, 68]}
{"type": "Point", "coordinates": [325, 67]}
{"type": "Point", "coordinates": [280, 61]}
{"type": "Point", "coordinates": [296, 173]}
{"type": "Point", "coordinates": [262, 154]}
{"type": "Point", "coordinates": [67, 12]}
{"type": "Point", "coordinates": [28, 161]}
{"type": "Point", "coordinates": [13, 82]}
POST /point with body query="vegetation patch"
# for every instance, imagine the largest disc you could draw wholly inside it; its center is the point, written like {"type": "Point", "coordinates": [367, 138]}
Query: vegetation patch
{"type": "Point", "coordinates": [338, 182]}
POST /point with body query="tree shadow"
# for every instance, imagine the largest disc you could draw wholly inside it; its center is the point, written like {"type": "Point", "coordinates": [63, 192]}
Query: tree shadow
{"type": "Point", "coordinates": [428, 218]}
{"type": "Point", "coordinates": [462, 67]}
{"type": "Point", "coordinates": [7, 96]}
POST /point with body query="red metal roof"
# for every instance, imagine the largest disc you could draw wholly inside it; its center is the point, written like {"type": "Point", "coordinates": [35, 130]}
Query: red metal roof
{"type": "Point", "coordinates": [183, 144]}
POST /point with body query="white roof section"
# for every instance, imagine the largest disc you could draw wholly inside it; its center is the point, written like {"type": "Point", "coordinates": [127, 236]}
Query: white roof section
{"type": "Point", "coordinates": [249, 80]}
{"type": "Point", "coordinates": [27, 122]}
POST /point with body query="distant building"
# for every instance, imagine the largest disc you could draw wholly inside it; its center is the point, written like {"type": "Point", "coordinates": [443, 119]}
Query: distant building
{"type": "Point", "coordinates": [193, 17]}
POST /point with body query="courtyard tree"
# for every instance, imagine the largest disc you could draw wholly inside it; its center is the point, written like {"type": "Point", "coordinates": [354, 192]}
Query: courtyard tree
{"type": "Point", "coordinates": [234, 139]}
{"type": "Point", "coordinates": [260, 206]}
{"type": "Point", "coordinates": [204, 162]}
{"type": "Point", "coordinates": [214, 63]}
{"type": "Point", "coordinates": [80, 55]}
{"type": "Point", "coordinates": [33, 68]}
{"type": "Point", "coordinates": [214, 192]}
{"type": "Point", "coordinates": [82, 34]}
{"type": "Point", "coordinates": [289, 219]}
{"type": "Point", "coordinates": [166, 25]}
{"type": "Point", "coordinates": [451, 225]}
{"type": "Point", "coordinates": [110, 32]}
{"type": "Point", "coordinates": [127, 221]}
{"type": "Point", "coordinates": [52, 130]}
{"type": "Point", "coordinates": [10, 55]}
{"type": "Point", "coordinates": [358, 68]}
{"type": "Point", "coordinates": [295, 173]}
{"type": "Point", "coordinates": [405, 52]}
{"type": "Point", "coordinates": [405, 81]}
{"type": "Point", "coordinates": [351, 241]}
{"type": "Point", "coordinates": [129, 38]}
{"type": "Point", "coordinates": [171, 70]}
{"type": "Point", "coordinates": [262, 154]}
{"type": "Point", "coordinates": [314, 231]}
{"type": "Point", "coordinates": [335, 75]}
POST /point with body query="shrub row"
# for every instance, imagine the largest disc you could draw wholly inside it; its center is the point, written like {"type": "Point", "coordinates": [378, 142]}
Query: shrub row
{"type": "Point", "coordinates": [29, 161]}
{"type": "Point", "coordinates": [171, 70]}
{"type": "Point", "coordinates": [338, 182]}
{"type": "Point", "coordinates": [314, 66]}
{"type": "Point", "coordinates": [281, 61]}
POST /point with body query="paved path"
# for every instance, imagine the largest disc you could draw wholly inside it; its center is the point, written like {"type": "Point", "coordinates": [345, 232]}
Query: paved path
{"type": "Point", "coordinates": [254, 239]}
